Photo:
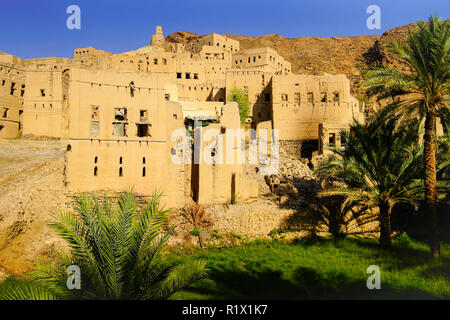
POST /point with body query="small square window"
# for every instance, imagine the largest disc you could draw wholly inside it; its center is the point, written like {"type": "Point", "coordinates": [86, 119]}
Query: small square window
{"type": "Point", "coordinates": [336, 97]}
{"type": "Point", "coordinates": [332, 139]}
{"type": "Point", "coordinates": [120, 114]}
{"type": "Point", "coordinates": [143, 115]}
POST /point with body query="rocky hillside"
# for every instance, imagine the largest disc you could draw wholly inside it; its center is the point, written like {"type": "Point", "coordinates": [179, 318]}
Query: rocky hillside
{"type": "Point", "coordinates": [313, 55]}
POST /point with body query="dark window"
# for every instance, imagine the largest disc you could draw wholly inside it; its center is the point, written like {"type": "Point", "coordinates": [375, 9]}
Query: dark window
{"type": "Point", "coordinates": [120, 114]}
{"type": "Point", "coordinates": [132, 89]}
{"type": "Point", "coordinates": [336, 97]}
{"type": "Point", "coordinates": [332, 139]}
{"type": "Point", "coordinates": [143, 130]}
{"type": "Point", "coordinates": [178, 75]}
{"type": "Point", "coordinates": [43, 92]}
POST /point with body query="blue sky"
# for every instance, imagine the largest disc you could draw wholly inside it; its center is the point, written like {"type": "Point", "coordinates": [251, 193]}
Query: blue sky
{"type": "Point", "coordinates": [37, 28]}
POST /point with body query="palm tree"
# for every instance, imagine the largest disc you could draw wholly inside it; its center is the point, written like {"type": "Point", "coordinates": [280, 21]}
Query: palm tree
{"type": "Point", "coordinates": [118, 250]}
{"type": "Point", "coordinates": [380, 167]}
{"type": "Point", "coordinates": [423, 91]}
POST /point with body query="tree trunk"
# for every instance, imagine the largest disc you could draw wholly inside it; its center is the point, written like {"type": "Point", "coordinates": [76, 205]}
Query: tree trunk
{"type": "Point", "coordinates": [385, 226]}
{"type": "Point", "coordinates": [430, 182]}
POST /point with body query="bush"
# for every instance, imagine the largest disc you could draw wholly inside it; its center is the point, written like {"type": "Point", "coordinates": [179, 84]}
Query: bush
{"type": "Point", "coordinates": [240, 96]}
{"type": "Point", "coordinates": [196, 215]}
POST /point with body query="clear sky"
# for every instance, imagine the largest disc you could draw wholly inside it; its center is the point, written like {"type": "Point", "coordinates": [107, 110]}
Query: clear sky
{"type": "Point", "coordinates": [37, 28]}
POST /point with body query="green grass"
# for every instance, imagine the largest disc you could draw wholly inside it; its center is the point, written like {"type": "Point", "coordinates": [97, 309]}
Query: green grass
{"type": "Point", "coordinates": [319, 269]}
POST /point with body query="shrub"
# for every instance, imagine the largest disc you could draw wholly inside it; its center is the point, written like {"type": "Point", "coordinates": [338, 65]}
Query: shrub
{"type": "Point", "coordinates": [240, 96]}
{"type": "Point", "coordinates": [196, 215]}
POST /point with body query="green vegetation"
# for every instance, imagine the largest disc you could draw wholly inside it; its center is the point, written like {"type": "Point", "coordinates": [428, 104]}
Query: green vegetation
{"type": "Point", "coordinates": [318, 269]}
{"type": "Point", "coordinates": [240, 96]}
{"type": "Point", "coordinates": [234, 198]}
{"type": "Point", "coordinates": [381, 167]}
{"type": "Point", "coordinates": [423, 93]}
{"type": "Point", "coordinates": [235, 235]}
{"type": "Point", "coordinates": [118, 250]}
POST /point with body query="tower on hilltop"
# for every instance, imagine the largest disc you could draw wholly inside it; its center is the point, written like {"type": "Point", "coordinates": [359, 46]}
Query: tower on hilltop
{"type": "Point", "coordinates": [157, 38]}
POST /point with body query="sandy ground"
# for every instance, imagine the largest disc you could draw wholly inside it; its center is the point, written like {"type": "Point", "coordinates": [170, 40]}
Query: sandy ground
{"type": "Point", "coordinates": [31, 191]}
